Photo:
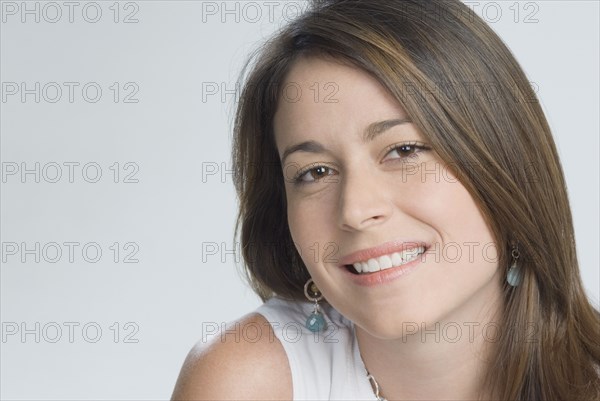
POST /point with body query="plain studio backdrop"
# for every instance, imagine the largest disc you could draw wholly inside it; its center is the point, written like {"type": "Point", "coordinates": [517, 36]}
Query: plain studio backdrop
{"type": "Point", "coordinates": [117, 199]}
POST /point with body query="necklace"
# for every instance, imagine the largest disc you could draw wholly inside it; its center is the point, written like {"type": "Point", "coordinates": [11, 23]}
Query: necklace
{"type": "Point", "coordinates": [375, 387]}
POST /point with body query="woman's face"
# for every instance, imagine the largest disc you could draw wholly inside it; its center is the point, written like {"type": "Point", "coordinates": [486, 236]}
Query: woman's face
{"type": "Point", "coordinates": [372, 197]}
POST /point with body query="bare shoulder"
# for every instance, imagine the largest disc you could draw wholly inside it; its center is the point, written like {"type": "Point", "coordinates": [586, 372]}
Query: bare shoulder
{"type": "Point", "coordinates": [246, 363]}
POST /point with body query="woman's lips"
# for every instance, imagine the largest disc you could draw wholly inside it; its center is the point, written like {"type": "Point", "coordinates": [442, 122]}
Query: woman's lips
{"type": "Point", "coordinates": [387, 261]}
{"type": "Point", "coordinates": [386, 275]}
{"type": "Point", "coordinates": [386, 248]}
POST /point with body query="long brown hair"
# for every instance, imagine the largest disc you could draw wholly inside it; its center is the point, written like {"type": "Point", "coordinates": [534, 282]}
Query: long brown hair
{"type": "Point", "coordinates": [494, 135]}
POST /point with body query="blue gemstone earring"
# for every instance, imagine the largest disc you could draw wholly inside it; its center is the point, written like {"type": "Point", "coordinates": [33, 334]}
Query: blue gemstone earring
{"type": "Point", "coordinates": [316, 321]}
{"type": "Point", "coordinates": [514, 275]}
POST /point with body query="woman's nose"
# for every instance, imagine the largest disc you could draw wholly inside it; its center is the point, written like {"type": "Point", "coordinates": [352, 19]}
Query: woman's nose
{"type": "Point", "coordinates": [363, 201]}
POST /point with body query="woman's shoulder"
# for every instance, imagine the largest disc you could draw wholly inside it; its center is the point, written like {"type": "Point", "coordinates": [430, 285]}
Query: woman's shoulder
{"type": "Point", "coordinates": [241, 362]}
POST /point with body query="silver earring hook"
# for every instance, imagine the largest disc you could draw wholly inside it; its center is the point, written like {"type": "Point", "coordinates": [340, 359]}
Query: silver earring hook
{"type": "Point", "coordinates": [314, 289]}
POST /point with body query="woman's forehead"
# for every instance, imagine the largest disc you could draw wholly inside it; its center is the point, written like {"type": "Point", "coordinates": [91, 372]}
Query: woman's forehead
{"type": "Point", "coordinates": [323, 93]}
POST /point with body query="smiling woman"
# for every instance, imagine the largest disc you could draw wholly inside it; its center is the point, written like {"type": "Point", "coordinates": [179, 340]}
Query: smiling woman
{"type": "Point", "coordinates": [414, 239]}
{"type": "Point", "coordinates": [374, 210]}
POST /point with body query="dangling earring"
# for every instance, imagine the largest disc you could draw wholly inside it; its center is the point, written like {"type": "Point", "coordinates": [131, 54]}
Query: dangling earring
{"type": "Point", "coordinates": [514, 275]}
{"type": "Point", "coordinates": [316, 321]}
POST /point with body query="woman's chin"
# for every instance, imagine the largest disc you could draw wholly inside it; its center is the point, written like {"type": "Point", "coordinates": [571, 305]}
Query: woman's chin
{"type": "Point", "coordinates": [398, 327]}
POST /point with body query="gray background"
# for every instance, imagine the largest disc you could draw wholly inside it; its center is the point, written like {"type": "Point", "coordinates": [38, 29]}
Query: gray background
{"type": "Point", "coordinates": [176, 222]}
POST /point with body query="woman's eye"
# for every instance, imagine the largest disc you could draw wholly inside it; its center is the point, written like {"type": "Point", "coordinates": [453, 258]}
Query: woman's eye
{"type": "Point", "coordinates": [405, 151]}
{"type": "Point", "coordinates": [314, 174]}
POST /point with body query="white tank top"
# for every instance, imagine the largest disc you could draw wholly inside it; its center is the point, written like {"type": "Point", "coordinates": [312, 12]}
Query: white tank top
{"type": "Point", "coordinates": [325, 365]}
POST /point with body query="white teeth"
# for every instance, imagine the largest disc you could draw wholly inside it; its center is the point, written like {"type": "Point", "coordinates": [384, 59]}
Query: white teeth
{"type": "Point", "coordinates": [373, 265]}
{"type": "Point", "coordinates": [396, 259]}
{"type": "Point", "coordinates": [387, 261]}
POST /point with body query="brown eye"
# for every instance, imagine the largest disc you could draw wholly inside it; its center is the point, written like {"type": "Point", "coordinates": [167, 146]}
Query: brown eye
{"type": "Point", "coordinates": [405, 151]}
{"type": "Point", "coordinates": [314, 174]}
{"type": "Point", "coordinates": [318, 172]}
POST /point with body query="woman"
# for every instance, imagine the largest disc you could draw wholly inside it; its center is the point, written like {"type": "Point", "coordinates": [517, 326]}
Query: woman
{"type": "Point", "coordinates": [403, 209]}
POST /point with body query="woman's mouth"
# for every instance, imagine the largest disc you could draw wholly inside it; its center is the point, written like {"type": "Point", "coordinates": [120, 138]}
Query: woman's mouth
{"type": "Point", "coordinates": [371, 267]}
{"type": "Point", "coordinates": [386, 261]}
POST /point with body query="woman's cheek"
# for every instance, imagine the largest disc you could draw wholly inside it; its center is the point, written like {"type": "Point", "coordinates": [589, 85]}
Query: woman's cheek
{"type": "Point", "coordinates": [298, 227]}
{"type": "Point", "coordinates": [310, 223]}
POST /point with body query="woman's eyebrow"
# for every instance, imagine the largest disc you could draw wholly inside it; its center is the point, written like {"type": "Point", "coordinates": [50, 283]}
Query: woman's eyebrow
{"type": "Point", "coordinates": [370, 133]}
{"type": "Point", "coordinates": [379, 127]}
{"type": "Point", "coordinates": [307, 146]}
